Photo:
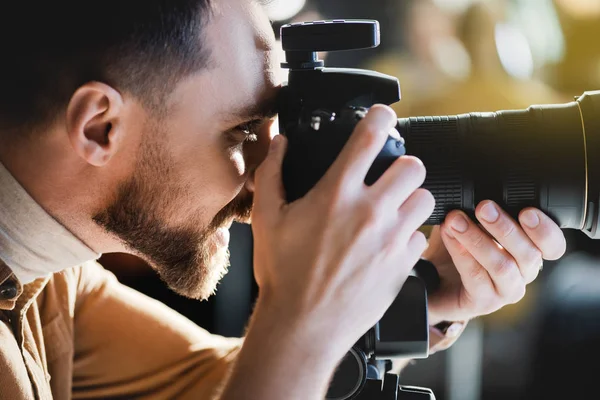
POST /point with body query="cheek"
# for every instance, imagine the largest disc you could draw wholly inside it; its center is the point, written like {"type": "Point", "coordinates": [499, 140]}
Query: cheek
{"type": "Point", "coordinates": [238, 164]}
{"type": "Point", "coordinates": [226, 178]}
{"type": "Point", "coordinates": [212, 178]}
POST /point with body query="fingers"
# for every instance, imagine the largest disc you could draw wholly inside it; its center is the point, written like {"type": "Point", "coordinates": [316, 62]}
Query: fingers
{"type": "Point", "coordinates": [269, 196]}
{"type": "Point", "coordinates": [407, 243]}
{"type": "Point", "coordinates": [405, 175]}
{"type": "Point", "coordinates": [544, 233]}
{"type": "Point", "coordinates": [416, 245]}
{"type": "Point", "coordinates": [362, 148]}
{"type": "Point", "coordinates": [508, 234]}
{"type": "Point", "coordinates": [485, 267]}
{"type": "Point", "coordinates": [414, 212]}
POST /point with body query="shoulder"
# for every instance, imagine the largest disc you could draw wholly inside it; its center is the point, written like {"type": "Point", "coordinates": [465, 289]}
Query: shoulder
{"type": "Point", "coordinates": [69, 285]}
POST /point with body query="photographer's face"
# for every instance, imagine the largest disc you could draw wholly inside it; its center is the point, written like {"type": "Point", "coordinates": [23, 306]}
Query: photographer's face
{"type": "Point", "coordinates": [193, 172]}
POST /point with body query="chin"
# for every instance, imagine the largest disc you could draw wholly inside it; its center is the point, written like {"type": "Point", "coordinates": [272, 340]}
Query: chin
{"type": "Point", "coordinates": [216, 268]}
{"type": "Point", "coordinates": [199, 277]}
{"type": "Point", "coordinates": [244, 220]}
{"type": "Point", "coordinates": [213, 272]}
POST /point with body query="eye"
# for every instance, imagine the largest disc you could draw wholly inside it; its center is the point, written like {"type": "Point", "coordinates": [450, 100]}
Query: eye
{"type": "Point", "coordinates": [249, 130]}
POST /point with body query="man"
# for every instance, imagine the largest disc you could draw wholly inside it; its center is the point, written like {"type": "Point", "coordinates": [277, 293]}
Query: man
{"type": "Point", "coordinates": [138, 127]}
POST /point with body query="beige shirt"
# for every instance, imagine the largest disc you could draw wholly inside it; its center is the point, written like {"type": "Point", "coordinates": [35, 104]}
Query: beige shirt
{"type": "Point", "coordinates": [79, 333]}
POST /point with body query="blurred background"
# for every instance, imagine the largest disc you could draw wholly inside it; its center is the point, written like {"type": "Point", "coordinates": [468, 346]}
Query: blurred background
{"type": "Point", "coordinates": [457, 56]}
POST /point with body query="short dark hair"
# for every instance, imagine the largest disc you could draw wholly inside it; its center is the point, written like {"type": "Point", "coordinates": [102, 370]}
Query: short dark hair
{"type": "Point", "coordinates": [50, 48]}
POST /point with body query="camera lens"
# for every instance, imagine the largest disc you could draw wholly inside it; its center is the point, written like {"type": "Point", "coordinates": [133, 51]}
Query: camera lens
{"type": "Point", "coordinates": [543, 156]}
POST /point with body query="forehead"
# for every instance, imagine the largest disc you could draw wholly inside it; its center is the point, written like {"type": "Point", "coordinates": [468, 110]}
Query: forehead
{"type": "Point", "coordinates": [243, 49]}
{"type": "Point", "coordinates": [241, 16]}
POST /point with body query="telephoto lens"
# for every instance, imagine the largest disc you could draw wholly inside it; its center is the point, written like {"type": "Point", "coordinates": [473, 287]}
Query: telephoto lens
{"type": "Point", "coordinates": [546, 156]}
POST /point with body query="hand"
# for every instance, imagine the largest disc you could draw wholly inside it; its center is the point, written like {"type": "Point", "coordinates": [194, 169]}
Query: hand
{"type": "Point", "coordinates": [330, 264]}
{"type": "Point", "coordinates": [483, 268]}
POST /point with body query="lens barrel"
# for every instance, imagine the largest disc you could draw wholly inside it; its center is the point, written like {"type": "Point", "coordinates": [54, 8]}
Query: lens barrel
{"type": "Point", "coordinates": [538, 157]}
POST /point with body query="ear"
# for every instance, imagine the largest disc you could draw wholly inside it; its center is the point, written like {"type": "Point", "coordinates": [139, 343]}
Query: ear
{"type": "Point", "coordinates": [94, 122]}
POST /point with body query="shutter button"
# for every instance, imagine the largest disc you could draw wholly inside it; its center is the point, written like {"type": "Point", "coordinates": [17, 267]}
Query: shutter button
{"type": "Point", "coordinates": [8, 290]}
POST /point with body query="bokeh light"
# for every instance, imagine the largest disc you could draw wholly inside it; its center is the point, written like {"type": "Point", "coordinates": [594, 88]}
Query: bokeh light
{"type": "Point", "coordinates": [514, 51]}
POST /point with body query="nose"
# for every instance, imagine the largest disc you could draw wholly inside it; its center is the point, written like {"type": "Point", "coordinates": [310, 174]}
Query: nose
{"type": "Point", "coordinates": [249, 185]}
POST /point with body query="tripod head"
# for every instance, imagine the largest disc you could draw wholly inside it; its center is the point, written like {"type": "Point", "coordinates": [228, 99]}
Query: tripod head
{"type": "Point", "coordinates": [318, 110]}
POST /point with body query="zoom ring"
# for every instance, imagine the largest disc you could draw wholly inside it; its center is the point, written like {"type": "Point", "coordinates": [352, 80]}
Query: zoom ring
{"type": "Point", "coordinates": [434, 140]}
{"type": "Point", "coordinates": [446, 188]}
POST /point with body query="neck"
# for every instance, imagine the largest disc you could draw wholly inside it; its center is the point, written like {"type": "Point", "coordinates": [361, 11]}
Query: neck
{"type": "Point", "coordinates": [48, 224]}
{"type": "Point", "coordinates": [32, 243]}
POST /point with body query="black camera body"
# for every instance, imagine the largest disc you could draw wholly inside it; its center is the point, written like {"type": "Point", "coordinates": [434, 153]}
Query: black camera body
{"type": "Point", "coordinates": [318, 110]}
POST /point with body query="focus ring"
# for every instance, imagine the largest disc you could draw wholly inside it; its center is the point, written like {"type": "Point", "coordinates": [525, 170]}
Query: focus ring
{"type": "Point", "coordinates": [519, 183]}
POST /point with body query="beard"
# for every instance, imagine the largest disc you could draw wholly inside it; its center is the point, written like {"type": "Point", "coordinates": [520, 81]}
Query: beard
{"type": "Point", "coordinates": [189, 259]}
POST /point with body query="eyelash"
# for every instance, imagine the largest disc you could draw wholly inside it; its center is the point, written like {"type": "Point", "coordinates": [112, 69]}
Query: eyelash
{"type": "Point", "coordinates": [249, 130]}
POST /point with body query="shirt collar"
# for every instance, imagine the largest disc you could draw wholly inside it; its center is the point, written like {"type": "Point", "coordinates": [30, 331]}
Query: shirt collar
{"type": "Point", "coordinates": [32, 243]}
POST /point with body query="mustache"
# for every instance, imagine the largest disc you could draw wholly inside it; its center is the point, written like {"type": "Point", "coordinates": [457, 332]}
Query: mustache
{"type": "Point", "coordinates": [239, 209]}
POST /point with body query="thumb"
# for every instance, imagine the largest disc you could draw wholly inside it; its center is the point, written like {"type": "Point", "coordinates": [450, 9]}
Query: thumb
{"type": "Point", "coordinates": [269, 194]}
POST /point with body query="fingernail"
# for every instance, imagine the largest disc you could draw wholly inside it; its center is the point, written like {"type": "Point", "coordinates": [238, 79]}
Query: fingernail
{"type": "Point", "coordinates": [530, 219]}
{"type": "Point", "coordinates": [275, 142]}
{"type": "Point", "coordinates": [460, 224]}
{"type": "Point", "coordinates": [454, 329]}
{"type": "Point", "coordinates": [489, 213]}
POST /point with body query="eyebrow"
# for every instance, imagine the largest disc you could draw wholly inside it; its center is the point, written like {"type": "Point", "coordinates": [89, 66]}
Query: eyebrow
{"type": "Point", "coordinates": [263, 110]}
